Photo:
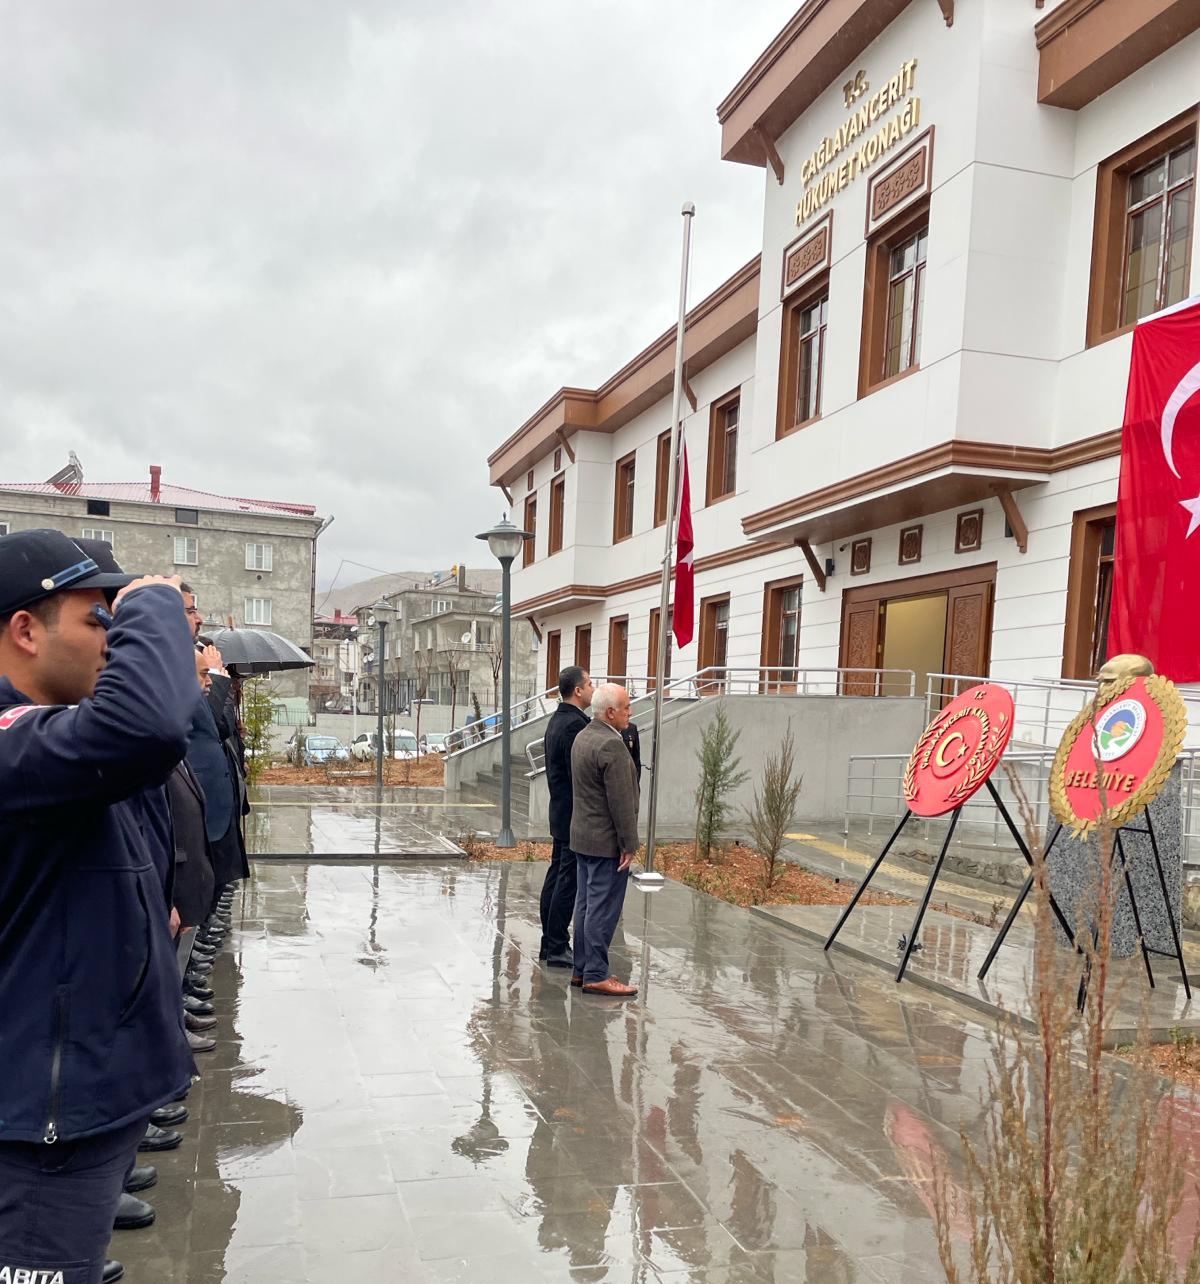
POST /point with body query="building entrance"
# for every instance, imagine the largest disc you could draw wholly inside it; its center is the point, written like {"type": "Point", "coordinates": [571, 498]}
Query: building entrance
{"type": "Point", "coordinates": [929, 624]}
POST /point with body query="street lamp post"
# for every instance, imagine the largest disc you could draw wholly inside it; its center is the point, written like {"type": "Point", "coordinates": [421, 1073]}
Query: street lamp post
{"type": "Point", "coordinates": [378, 620]}
{"type": "Point", "coordinates": [505, 541]}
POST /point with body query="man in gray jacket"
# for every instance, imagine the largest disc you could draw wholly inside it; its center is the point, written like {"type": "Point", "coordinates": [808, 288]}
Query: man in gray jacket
{"type": "Point", "coordinates": [604, 837]}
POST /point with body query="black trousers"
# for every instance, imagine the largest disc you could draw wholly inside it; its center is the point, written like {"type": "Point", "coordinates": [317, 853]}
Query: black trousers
{"type": "Point", "coordinates": [558, 900]}
{"type": "Point", "coordinates": [57, 1203]}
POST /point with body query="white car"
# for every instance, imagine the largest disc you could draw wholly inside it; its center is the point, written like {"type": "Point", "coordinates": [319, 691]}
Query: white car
{"type": "Point", "coordinates": [365, 747]}
{"type": "Point", "coordinates": [434, 742]}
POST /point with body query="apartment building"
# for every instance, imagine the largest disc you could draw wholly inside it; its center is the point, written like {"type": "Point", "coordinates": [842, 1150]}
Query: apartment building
{"type": "Point", "coordinates": [903, 414]}
{"type": "Point", "coordinates": [250, 561]}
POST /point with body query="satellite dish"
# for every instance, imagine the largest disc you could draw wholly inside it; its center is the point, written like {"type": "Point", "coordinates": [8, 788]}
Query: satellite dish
{"type": "Point", "coordinates": [466, 637]}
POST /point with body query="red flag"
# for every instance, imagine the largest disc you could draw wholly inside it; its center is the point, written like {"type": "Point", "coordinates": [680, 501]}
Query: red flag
{"type": "Point", "coordinates": [683, 621]}
{"type": "Point", "coordinates": [1156, 571]}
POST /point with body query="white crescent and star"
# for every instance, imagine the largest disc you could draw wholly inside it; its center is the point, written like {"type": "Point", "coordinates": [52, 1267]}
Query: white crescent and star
{"type": "Point", "coordinates": [1185, 390]}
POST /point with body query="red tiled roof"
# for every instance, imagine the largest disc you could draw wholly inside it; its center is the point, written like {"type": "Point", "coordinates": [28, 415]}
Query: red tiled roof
{"type": "Point", "coordinates": [169, 497]}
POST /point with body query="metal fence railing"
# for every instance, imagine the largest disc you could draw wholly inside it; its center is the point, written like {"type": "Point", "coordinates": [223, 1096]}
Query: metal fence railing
{"type": "Point", "coordinates": [762, 680]}
{"type": "Point", "coordinates": [874, 798]}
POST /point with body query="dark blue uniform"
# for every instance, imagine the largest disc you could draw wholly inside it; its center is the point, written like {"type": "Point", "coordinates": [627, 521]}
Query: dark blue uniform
{"type": "Point", "coordinates": [91, 1026]}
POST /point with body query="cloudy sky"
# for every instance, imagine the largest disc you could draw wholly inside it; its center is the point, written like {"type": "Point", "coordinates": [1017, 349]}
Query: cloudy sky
{"type": "Point", "coordinates": [334, 251]}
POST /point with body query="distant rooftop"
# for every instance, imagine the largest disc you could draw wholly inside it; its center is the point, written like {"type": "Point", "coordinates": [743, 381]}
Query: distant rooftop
{"type": "Point", "coordinates": [69, 482]}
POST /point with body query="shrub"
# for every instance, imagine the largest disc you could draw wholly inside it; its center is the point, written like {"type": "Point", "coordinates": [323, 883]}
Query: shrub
{"type": "Point", "coordinates": [720, 774]}
{"type": "Point", "coordinates": [770, 817]}
{"type": "Point", "coordinates": [258, 714]}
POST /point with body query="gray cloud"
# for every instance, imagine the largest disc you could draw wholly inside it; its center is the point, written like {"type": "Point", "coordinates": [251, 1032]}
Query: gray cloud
{"type": "Point", "coordinates": [335, 252]}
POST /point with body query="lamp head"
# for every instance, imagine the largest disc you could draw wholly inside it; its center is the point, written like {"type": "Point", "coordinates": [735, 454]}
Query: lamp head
{"type": "Point", "coordinates": [505, 540]}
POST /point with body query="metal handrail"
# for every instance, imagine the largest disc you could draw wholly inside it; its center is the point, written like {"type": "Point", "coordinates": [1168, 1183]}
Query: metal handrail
{"type": "Point", "coordinates": [764, 679]}
{"type": "Point", "coordinates": [529, 710]}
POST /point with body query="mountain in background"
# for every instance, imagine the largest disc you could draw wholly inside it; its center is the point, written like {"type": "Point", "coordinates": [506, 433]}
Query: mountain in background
{"type": "Point", "coordinates": [345, 597]}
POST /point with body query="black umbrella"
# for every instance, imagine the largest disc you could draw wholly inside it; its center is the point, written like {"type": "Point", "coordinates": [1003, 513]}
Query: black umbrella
{"type": "Point", "coordinates": [247, 651]}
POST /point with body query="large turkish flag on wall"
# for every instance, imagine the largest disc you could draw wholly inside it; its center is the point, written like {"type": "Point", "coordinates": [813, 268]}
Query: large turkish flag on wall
{"type": "Point", "coordinates": [1156, 573]}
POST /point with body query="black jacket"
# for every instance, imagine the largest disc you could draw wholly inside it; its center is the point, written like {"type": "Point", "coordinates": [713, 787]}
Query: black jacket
{"type": "Point", "coordinates": [566, 722]}
{"type": "Point", "coordinates": [194, 878]}
{"type": "Point", "coordinates": [633, 742]}
{"type": "Point", "coordinates": [91, 1027]}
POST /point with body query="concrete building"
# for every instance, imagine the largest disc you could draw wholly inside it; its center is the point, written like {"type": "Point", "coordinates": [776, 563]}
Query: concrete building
{"type": "Point", "coordinates": [443, 639]}
{"type": "Point", "coordinates": [335, 650]}
{"type": "Point", "coordinates": [251, 561]}
{"type": "Point", "coordinates": [903, 414]}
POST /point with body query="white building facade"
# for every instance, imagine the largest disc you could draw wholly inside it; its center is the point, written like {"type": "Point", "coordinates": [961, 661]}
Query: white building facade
{"type": "Point", "coordinates": [903, 418]}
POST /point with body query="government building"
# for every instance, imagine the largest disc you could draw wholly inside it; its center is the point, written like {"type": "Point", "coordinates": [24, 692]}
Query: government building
{"type": "Point", "coordinates": [903, 414]}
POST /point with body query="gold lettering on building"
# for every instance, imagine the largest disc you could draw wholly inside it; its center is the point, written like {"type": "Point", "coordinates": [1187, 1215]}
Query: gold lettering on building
{"type": "Point", "coordinates": [822, 183]}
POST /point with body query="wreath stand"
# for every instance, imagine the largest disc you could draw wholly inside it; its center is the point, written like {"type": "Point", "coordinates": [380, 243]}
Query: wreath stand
{"type": "Point", "coordinates": [1119, 852]}
{"type": "Point", "coordinates": [910, 943]}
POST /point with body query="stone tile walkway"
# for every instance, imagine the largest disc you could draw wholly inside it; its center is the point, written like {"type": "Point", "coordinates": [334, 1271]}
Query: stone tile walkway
{"type": "Point", "coordinates": [401, 1093]}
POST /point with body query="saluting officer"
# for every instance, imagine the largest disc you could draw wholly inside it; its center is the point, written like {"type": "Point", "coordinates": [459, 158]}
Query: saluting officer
{"type": "Point", "coordinates": [94, 709]}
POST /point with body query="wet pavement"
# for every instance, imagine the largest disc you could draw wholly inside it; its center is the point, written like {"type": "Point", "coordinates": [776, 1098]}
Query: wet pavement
{"type": "Point", "coordinates": [354, 822]}
{"type": "Point", "coordinates": [401, 1093]}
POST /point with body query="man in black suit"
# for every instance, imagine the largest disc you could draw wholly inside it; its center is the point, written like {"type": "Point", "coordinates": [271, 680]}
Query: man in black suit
{"type": "Point", "coordinates": [558, 891]}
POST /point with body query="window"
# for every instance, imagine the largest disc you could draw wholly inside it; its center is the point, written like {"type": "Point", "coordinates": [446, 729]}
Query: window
{"type": "Point", "coordinates": [259, 557]}
{"type": "Point", "coordinates": [187, 517]}
{"type": "Point", "coordinates": [3, 528]}
{"type": "Point", "coordinates": [722, 448]}
{"type": "Point", "coordinates": [583, 646]}
{"type": "Point", "coordinates": [906, 273]}
{"type": "Point", "coordinates": [781, 633]}
{"type": "Point", "coordinates": [1142, 242]}
{"type": "Point", "coordinates": [802, 366]}
{"type": "Point", "coordinates": [662, 477]}
{"type": "Point", "coordinates": [527, 549]}
{"type": "Point", "coordinates": [553, 658]}
{"type": "Point", "coordinates": [894, 301]}
{"type": "Point", "coordinates": [652, 648]}
{"type": "Point", "coordinates": [1158, 234]}
{"type": "Point", "coordinates": [1089, 591]}
{"type": "Point", "coordinates": [483, 636]}
{"type": "Point", "coordinates": [98, 532]}
{"type": "Point", "coordinates": [618, 648]}
{"type": "Point", "coordinates": [186, 550]}
{"type": "Point", "coordinates": [558, 500]}
{"type": "Point", "coordinates": [258, 610]}
{"type": "Point", "coordinates": [97, 508]}
{"type": "Point", "coordinates": [714, 638]}
{"type": "Point", "coordinates": [623, 499]}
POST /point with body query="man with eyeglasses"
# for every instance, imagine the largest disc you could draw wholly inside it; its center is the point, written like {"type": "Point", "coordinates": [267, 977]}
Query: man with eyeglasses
{"type": "Point", "coordinates": [95, 705]}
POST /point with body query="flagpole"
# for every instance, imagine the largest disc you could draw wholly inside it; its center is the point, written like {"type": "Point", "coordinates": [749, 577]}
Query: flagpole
{"type": "Point", "coordinates": [651, 879]}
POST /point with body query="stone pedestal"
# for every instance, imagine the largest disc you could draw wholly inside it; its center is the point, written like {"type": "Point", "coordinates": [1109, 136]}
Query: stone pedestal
{"type": "Point", "coordinates": [1074, 870]}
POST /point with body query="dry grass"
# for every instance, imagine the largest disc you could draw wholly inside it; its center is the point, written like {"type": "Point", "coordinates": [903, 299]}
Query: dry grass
{"type": "Point", "coordinates": [428, 770]}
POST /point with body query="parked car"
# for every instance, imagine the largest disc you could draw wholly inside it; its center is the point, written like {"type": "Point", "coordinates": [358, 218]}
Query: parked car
{"type": "Point", "coordinates": [365, 746]}
{"type": "Point", "coordinates": [434, 742]}
{"type": "Point", "coordinates": [313, 751]}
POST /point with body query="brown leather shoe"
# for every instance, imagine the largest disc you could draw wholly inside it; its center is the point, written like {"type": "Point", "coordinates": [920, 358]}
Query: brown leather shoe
{"type": "Point", "coordinates": [612, 988]}
{"type": "Point", "coordinates": [577, 980]}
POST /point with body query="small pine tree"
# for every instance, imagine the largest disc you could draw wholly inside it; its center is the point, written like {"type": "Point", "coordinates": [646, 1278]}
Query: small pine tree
{"type": "Point", "coordinates": [258, 713]}
{"type": "Point", "coordinates": [770, 817]}
{"type": "Point", "coordinates": [720, 774]}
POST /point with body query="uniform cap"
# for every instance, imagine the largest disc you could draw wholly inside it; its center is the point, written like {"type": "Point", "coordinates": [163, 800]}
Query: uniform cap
{"type": "Point", "coordinates": [36, 564]}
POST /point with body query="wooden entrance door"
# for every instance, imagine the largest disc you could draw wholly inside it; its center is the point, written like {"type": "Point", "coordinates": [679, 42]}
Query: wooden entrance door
{"type": "Point", "coordinates": [967, 643]}
{"type": "Point", "coordinates": [618, 647]}
{"type": "Point", "coordinates": [583, 646]}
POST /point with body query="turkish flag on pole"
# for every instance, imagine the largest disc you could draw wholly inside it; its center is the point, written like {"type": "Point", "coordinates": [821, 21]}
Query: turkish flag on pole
{"type": "Point", "coordinates": [683, 619]}
{"type": "Point", "coordinates": [1156, 571]}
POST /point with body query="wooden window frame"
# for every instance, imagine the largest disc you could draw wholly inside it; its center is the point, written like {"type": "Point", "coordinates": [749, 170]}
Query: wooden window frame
{"type": "Point", "coordinates": [773, 592]}
{"type": "Point", "coordinates": [1083, 579]}
{"type": "Point", "coordinates": [652, 646]}
{"type": "Point", "coordinates": [583, 631]}
{"type": "Point", "coordinates": [789, 356]}
{"type": "Point", "coordinates": [623, 497]}
{"type": "Point", "coordinates": [553, 652]}
{"type": "Point", "coordinates": [529, 518]}
{"type": "Point", "coordinates": [662, 476]}
{"type": "Point", "coordinates": [705, 652]}
{"type": "Point", "coordinates": [1105, 289]}
{"type": "Point", "coordinates": [718, 432]}
{"type": "Point", "coordinates": [873, 349]}
{"type": "Point", "coordinates": [614, 625]}
{"type": "Point", "coordinates": [558, 504]}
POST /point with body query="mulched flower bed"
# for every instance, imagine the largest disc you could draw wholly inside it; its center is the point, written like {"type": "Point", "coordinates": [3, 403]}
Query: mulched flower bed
{"type": "Point", "coordinates": [735, 874]}
{"type": "Point", "coordinates": [428, 770]}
